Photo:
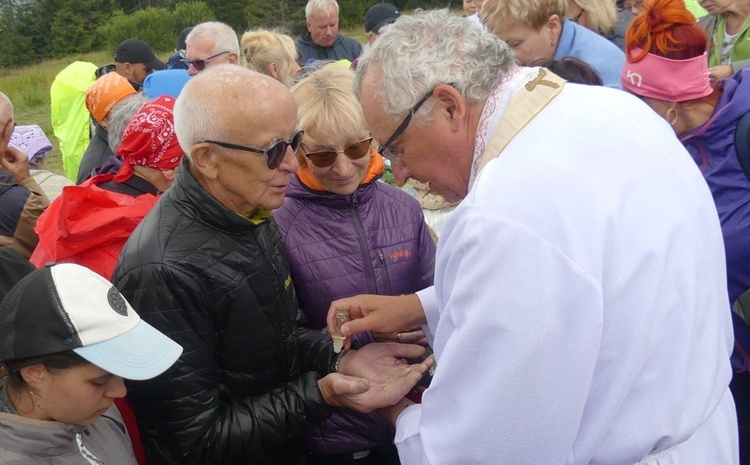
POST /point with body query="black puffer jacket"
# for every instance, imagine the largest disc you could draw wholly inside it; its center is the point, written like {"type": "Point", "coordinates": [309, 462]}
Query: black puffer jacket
{"type": "Point", "coordinates": [219, 285]}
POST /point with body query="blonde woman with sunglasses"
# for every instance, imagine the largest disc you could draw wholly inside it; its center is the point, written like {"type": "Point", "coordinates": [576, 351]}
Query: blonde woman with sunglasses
{"type": "Point", "coordinates": [348, 234]}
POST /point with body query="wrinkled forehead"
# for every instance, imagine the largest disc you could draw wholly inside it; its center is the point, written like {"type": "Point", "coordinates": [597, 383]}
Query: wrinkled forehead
{"type": "Point", "coordinates": [201, 47]}
{"type": "Point", "coordinates": [264, 109]}
{"type": "Point", "coordinates": [324, 15]}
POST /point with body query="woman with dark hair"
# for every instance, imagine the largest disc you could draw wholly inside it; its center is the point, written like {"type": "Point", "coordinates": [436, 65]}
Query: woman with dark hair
{"type": "Point", "coordinates": [667, 69]}
{"type": "Point", "coordinates": [67, 340]}
{"type": "Point", "coordinates": [574, 70]}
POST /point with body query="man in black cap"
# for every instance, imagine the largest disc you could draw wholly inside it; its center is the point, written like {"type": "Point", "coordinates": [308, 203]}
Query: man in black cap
{"type": "Point", "coordinates": [134, 60]}
{"type": "Point", "coordinates": [378, 16]}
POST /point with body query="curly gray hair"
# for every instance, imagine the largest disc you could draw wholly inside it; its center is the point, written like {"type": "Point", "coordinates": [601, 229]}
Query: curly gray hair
{"type": "Point", "coordinates": [120, 116]}
{"type": "Point", "coordinates": [420, 51]}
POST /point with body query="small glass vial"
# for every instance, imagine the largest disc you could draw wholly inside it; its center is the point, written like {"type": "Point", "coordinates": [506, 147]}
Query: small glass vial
{"type": "Point", "coordinates": [341, 317]}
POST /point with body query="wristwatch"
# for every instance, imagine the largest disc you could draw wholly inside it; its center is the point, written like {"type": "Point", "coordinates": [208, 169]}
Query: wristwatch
{"type": "Point", "coordinates": [335, 366]}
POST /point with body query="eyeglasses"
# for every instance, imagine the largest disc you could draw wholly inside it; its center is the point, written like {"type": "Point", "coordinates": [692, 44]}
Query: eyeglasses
{"type": "Point", "coordinates": [275, 153]}
{"type": "Point", "coordinates": [200, 65]}
{"type": "Point", "coordinates": [326, 158]}
{"type": "Point", "coordinates": [578, 16]}
{"type": "Point", "coordinates": [385, 150]}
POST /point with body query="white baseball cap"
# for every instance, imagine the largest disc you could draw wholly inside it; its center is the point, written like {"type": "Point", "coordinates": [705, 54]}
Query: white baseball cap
{"type": "Point", "coordinates": [69, 307]}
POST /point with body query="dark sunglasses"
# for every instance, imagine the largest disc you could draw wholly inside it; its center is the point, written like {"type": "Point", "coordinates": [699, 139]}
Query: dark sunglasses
{"type": "Point", "coordinates": [274, 153]}
{"type": "Point", "coordinates": [326, 158]}
{"type": "Point", "coordinates": [200, 65]}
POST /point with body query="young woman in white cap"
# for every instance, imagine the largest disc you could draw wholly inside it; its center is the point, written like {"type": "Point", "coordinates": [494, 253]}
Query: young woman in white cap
{"type": "Point", "coordinates": [67, 340]}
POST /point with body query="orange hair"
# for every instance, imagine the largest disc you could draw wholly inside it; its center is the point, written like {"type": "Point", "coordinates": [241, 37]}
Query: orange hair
{"type": "Point", "coordinates": [665, 28]}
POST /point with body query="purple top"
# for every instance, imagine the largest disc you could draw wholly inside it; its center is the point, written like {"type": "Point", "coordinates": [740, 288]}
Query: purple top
{"type": "Point", "coordinates": [712, 147]}
{"type": "Point", "coordinates": [374, 241]}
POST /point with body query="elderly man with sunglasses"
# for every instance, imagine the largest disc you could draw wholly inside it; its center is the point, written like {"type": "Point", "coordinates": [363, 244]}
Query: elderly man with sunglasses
{"type": "Point", "coordinates": [209, 44]}
{"type": "Point", "coordinates": [208, 267]}
{"type": "Point", "coordinates": [580, 310]}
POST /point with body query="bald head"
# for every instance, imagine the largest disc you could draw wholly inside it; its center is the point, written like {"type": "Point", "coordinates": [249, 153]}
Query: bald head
{"type": "Point", "coordinates": [6, 109]}
{"type": "Point", "coordinates": [222, 100]}
{"type": "Point", "coordinates": [237, 128]}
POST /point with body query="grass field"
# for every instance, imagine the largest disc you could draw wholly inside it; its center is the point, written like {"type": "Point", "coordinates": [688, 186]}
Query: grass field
{"type": "Point", "coordinates": [28, 89]}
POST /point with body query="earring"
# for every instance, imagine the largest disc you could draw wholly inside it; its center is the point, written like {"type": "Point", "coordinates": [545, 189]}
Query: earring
{"type": "Point", "coordinates": [671, 116]}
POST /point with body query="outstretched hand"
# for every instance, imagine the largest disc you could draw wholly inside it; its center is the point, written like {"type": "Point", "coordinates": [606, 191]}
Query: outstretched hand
{"type": "Point", "coordinates": [411, 336]}
{"type": "Point", "coordinates": [375, 376]}
{"type": "Point", "coordinates": [379, 314]}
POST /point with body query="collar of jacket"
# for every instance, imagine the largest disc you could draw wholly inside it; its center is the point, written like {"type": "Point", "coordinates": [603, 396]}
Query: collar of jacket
{"type": "Point", "coordinates": [198, 203]}
{"type": "Point", "coordinates": [307, 38]}
{"type": "Point", "coordinates": [38, 437]}
{"type": "Point", "coordinates": [101, 133]}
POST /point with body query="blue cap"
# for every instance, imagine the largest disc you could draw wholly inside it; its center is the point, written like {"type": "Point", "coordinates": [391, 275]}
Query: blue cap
{"type": "Point", "coordinates": [168, 82]}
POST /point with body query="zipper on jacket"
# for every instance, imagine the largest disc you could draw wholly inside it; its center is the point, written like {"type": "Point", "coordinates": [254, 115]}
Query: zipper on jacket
{"type": "Point", "coordinates": [386, 275]}
{"type": "Point", "coordinates": [86, 453]}
{"type": "Point", "coordinates": [372, 286]}
{"type": "Point", "coordinates": [278, 284]}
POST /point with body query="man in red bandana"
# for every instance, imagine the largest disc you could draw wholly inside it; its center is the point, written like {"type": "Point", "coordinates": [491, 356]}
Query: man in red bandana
{"type": "Point", "coordinates": [89, 224]}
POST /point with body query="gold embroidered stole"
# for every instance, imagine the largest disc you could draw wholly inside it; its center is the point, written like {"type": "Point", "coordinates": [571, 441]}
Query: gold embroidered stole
{"type": "Point", "coordinates": [524, 106]}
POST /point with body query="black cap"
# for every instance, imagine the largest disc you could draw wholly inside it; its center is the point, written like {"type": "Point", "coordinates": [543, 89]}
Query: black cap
{"type": "Point", "coordinates": [138, 51]}
{"type": "Point", "coordinates": [181, 45]}
{"type": "Point", "coordinates": [379, 15]}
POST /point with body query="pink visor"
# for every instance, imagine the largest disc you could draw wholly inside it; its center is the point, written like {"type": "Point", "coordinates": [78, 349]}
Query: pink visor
{"type": "Point", "coordinates": [666, 79]}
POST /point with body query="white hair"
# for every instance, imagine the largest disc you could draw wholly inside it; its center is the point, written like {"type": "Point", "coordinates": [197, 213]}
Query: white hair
{"type": "Point", "coordinates": [120, 116]}
{"type": "Point", "coordinates": [314, 6]}
{"type": "Point", "coordinates": [420, 51]}
{"type": "Point", "coordinates": [225, 39]}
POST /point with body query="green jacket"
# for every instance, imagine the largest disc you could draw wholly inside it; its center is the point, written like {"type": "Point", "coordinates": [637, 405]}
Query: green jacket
{"type": "Point", "coordinates": [70, 119]}
{"type": "Point", "coordinates": [714, 26]}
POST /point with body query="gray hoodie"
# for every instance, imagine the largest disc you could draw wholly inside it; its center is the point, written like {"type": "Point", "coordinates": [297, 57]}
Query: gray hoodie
{"type": "Point", "coordinates": [27, 441]}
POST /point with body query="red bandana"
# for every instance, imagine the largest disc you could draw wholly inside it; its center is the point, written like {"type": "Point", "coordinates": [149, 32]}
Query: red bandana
{"type": "Point", "coordinates": [149, 139]}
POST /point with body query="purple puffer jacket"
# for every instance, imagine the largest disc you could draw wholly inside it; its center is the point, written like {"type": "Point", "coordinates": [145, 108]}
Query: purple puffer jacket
{"type": "Point", "coordinates": [374, 241]}
{"type": "Point", "coordinates": [713, 149]}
